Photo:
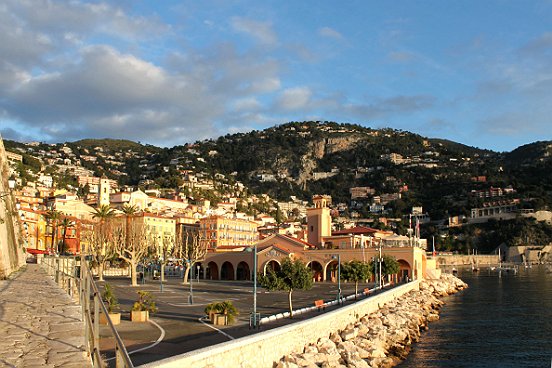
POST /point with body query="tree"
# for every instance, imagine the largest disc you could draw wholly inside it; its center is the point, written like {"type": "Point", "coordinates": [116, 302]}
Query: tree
{"type": "Point", "coordinates": [132, 244]}
{"type": "Point", "coordinates": [389, 266]}
{"type": "Point", "coordinates": [190, 247]}
{"type": "Point", "coordinates": [293, 275]}
{"type": "Point", "coordinates": [53, 216]}
{"type": "Point", "coordinates": [355, 271]}
{"type": "Point", "coordinates": [65, 223]}
{"type": "Point", "coordinates": [101, 238]}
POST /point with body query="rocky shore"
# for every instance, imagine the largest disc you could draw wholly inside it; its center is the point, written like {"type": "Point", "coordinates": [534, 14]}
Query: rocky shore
{"type": "Point", "coordinates": [380, 339]}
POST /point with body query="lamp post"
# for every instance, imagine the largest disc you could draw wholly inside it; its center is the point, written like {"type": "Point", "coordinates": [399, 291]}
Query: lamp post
{"type": "Point", "coordinates": [161, 271]}
{"type": "Point", "coordinates": [380, 260]}
{"type": "Point", "coordinates": [254, 286]}
{"type": "Point", "coordinates": [338, 277]}
{"type": "Point", "coordinates": [198, 269]}
{"type": "Point", "coordinates": [191, 296]}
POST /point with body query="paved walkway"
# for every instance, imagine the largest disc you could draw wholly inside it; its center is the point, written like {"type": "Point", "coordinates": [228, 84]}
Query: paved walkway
{"type": "Point", "coordinates": [40, 325]}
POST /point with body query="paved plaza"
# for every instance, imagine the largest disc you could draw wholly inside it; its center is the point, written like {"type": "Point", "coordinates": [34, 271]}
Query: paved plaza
{"type": "Point", "coordinates": [177, 321]}
{"type": "Point", "coordinates": [40, 324]}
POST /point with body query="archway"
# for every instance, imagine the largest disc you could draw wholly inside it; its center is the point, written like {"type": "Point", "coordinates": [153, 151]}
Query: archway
{"type": "Point", "coordinates": [271, 265]}
{"type": "Point", "coordinates": [317, 271]}
{"type": "Point", "coordinates": [242, 271]}
{"type": "Point", "coordinates": [227, 271]}
{"type": "Point", "coordinates": [405, 271]}
{"type": "Point", "coordinates": [331, 271]}
{"type": "Point", "coordinates": [212, 271]}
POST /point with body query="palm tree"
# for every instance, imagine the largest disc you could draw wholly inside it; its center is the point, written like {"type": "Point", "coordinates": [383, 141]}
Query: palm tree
{"type": "Point", "coordinates": [103, 213]}
{"type": "Point", "coordinates": [65, 223]}
{"type": "Point", "coordinates": [53, 216]}
{"type": "Point", "coordinates": [129, 211]}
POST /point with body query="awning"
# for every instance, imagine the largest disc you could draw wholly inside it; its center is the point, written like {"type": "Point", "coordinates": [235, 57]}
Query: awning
{"type": "Point", "coordinates": [36, 251]}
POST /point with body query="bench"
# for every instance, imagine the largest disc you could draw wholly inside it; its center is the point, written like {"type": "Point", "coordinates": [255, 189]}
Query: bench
{"type": "Point", "coordinates": [319, 304]}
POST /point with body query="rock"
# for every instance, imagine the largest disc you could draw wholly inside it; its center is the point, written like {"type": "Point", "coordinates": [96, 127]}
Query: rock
{"type": "Point", "coordinates": [327, 346]}
{"type": "Point", "coordinates": [282, 364]}
{"type": "Point", "coordinates": [311, 349]}
{"type": "Point", "coordinates": [350, 334]}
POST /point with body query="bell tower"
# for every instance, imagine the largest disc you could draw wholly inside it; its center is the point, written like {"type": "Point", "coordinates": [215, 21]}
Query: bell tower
{"type": "Point", "coordinates": [104, 190]}
{"type": "Point", "coordinates": [319, 221]}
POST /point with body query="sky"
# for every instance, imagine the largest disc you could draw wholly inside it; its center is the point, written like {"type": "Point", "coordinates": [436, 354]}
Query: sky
{"type": "Point", "coordinates": [172, 72]}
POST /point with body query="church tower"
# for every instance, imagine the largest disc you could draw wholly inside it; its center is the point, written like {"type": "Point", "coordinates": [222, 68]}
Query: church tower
{"type": "Point", "coordinates": [319, 221]}
{"type": "Point", "coordinates": [103, 191]}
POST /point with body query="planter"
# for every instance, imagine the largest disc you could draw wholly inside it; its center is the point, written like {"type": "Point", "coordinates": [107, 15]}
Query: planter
{"type": "Point", "coordinates": [212, 316]}
{"type": "Point", "coordinates": [139, 316]}
{"type": "Point", "coordinates": [114, 317]}
{"type": "Point", "coordinates": [220, 320]}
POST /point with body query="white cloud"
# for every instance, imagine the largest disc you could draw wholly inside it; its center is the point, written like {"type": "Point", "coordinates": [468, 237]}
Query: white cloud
{"type": "Point", "coordinates": [262, 31]}
{"type": "Point", "coordinates": [247, 104]}
{"type": "Point", "coordinates": [294, 98]}
{"type": "Point", "coordinates": [330, 33]}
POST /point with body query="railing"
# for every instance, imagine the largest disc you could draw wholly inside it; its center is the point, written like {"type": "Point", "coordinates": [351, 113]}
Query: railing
{"type": "Point", "coordinates": [74, 276]}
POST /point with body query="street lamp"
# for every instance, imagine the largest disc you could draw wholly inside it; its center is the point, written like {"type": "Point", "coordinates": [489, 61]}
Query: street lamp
{"type": "Point", "coordinates": [191, 296]}
{"type": "Point", "coordinates": [198, 269]}
{"type": "Point", "coordinates": [338, 277]}
{"type": "Point", "coordinates": [379, 261]}
{"type": "Point", "coordinates": [254, 321]}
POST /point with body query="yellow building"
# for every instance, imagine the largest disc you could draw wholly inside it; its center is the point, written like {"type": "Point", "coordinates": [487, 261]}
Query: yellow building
{"type": "Point", "coordinates": [158, 228]}
{"type": "Point", "coordinates": [221, 231]}
{"type": "Point", "coordinates": [34, 229]}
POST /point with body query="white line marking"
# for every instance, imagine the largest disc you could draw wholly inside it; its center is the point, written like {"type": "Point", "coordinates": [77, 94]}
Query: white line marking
{"type": "Point", "coordinates": [200, 319]}
{"type": "Point", "coordinates": [149, 346]}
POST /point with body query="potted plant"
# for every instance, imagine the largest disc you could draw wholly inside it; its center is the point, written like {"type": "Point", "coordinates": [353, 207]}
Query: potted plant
{"type": "Point", "coordinates": [112, 306]}
{"type": "Point", "coordinates": [211, 311]}
{"type": "Point", "coordinates": [225, 313]}
{"type": "Point", "coordinates": [142, 307]}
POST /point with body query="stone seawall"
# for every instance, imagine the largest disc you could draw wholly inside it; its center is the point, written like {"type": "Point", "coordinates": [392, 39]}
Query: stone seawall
{"type": "Point", "coordinates": [381, 338]}
{"type": "Point", "coordinates": [263, 349]}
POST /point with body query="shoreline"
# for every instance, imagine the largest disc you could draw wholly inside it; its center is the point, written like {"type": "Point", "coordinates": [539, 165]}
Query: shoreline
{"type": "Point", "coordinates": [380, 339]}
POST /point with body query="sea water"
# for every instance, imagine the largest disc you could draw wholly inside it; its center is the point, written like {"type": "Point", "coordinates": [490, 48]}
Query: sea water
{"type": "Point", "coordinates": [497, 322]}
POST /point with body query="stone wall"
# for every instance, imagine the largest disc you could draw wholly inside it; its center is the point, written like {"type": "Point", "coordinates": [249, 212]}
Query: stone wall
{"type": "Point", "coordinates": [253, 351]}
{"type": "Point", "coordinates": [11, 252]}
{"type": "Point", "coordinates": [467, 260]}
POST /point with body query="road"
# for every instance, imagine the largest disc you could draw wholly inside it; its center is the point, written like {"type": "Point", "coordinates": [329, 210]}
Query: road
{"type": "Point", "coordinates": [179, 320]}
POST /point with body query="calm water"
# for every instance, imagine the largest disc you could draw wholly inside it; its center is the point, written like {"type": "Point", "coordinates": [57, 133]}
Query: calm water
{"type": "Point", "coordinates": [496, 322]}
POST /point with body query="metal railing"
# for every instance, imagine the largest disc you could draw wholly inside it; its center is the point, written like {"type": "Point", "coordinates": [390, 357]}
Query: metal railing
{"type": "Point", "coordinates": [74, 276]}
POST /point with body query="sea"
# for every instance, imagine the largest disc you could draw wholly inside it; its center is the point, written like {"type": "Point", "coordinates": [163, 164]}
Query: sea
{"type": "Point", "coordinates": [499, 321]}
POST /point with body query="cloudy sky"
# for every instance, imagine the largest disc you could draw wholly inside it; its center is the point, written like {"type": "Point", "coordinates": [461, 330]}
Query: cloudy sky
{"type": "Point", "coordinates": [171, 72]}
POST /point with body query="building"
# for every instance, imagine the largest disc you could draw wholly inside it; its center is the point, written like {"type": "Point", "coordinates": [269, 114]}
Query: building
{"type": "Point", "coordinates": [222, 231]}
{"type": "Point", "coordinates": [323, 259]}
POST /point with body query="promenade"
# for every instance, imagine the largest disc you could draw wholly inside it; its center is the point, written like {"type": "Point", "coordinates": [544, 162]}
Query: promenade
{"type": "Point", "coordinates": [40, 324]}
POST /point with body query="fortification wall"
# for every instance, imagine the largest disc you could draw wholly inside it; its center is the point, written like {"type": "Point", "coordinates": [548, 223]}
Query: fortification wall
{"type": "Point", "coordinates": [263, 349]}
{"type": "Point", "coordinates": [466, 260]}
{"type": "Point", "coordinates": [11, 252]}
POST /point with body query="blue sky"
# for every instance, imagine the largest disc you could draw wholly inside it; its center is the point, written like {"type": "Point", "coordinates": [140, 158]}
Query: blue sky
{"type": "Point", "coordinates": [171, 72]}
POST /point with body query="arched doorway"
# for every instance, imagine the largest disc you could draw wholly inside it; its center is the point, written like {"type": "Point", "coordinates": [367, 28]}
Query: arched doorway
{"type": "Point", "coordinates": [405, 271]}
{"type": "Point", "coordinates": [242, 271]}
{"type": "Point", "coordinates": [317, 271]}
{"type": "Point", "coordinates": [331, 271]}
{"type": "Point", "coordinates": [227, 271]}
{"type": "Point", "coordinates": [271, 265]}
{"type": "Point", "coordinates": [212, 271]}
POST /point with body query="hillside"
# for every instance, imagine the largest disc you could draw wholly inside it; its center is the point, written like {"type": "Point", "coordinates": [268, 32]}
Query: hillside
{"type": "Point", "coordinates": [300, 159]}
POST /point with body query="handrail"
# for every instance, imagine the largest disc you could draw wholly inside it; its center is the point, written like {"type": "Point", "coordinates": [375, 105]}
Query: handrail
{"type": "Point", "coordinates": [63, 269]}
